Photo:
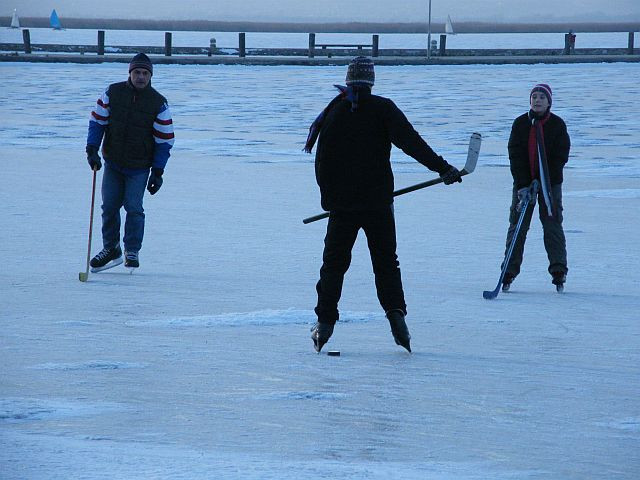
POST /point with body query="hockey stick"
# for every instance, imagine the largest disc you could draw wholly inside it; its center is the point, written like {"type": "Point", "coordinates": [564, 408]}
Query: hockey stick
{"type": "Point", "coordinates": [84, 276]}
{"type": "Point", "coordinates": [472, 158]}
{"type": "Point", "coordinates": [490, 295]}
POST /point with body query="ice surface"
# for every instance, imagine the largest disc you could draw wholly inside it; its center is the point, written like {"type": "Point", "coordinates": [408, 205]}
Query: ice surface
{"type": "Point", "coordinates": [200, 364]}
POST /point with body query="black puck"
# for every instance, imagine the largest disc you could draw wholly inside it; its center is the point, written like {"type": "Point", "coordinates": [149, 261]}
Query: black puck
{"type": "Point", "coordinates": [333, 353]}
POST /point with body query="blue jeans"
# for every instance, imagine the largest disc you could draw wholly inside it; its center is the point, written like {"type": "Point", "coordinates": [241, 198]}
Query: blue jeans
{"type": "Point", "coordinates": [120, 190]}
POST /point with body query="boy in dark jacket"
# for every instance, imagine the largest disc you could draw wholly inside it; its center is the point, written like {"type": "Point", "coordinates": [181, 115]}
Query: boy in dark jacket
{"type": "Point", "coordinates": [538, 150]}
{"type": "Point", "coordinates": [355, 133]}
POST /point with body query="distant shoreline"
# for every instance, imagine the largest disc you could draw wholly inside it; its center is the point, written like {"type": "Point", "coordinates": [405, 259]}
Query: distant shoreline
{"type": "Point", "coordinates": [347, 27]}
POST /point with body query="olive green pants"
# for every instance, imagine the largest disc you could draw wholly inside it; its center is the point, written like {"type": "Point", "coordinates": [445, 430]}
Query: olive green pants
{"type": "Point", "coordinates": [554, 240]}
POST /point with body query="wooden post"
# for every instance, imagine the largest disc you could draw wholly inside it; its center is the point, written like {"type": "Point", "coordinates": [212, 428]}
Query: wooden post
{"type": "Point", "coordinates": [26, 37]}
{"type": "Point", "coordinates": [443, 45]}
{"type": "Point", "coordinates": [631, 35]}
{"type": "Point", "coordinates": [312, 45]}
{"type": "Point", "coordinates": [100, 42]}
{"type": "Point", "coordinates": [242, 49]}
{"type": "Point", "coordinates": [167, 44]}
{"type": "Point", "coordinates": [374, 45]}
{"type": "Point", "coordinates": [566, 44]}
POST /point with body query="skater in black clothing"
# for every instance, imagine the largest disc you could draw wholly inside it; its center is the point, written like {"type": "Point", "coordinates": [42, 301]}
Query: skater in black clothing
{"type": "Point", "coordinates": [538, 149]}
{"type": "Point", "coordinates": [355, 133]}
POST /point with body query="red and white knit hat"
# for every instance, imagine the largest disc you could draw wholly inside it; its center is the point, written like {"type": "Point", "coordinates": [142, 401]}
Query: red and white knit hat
{"type": "Point", "coordinates": [544, 88]}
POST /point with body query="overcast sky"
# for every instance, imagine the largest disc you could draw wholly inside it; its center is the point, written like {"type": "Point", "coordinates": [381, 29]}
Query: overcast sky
{"type": "Point", "coordinates": [334, 10]}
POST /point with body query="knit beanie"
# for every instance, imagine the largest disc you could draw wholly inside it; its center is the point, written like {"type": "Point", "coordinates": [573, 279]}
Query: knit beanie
{"type": "Point", "coordinates": [360, 72]}
{"type": "Point", "coordinates": [141, 61]}
{"type": "Point", "coordinates": [544, 88]}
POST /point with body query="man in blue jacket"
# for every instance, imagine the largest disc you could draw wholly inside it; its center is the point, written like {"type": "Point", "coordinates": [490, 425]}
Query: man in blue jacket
{"type": "Point", "coordinates": [135, 122]}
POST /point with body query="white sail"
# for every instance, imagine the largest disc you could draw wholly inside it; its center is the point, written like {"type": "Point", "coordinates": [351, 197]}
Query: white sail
{"type": "Point", "coordinates": [15, 22]}
{"type": "Point", "coordinates": [448, 28]}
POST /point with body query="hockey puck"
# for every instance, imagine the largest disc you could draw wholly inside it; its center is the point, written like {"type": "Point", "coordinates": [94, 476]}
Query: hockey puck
{"type": "Point", "coordinates": [333, 353]}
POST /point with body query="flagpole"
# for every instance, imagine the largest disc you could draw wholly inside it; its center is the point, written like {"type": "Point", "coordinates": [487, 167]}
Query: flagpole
{"type": "Point", "coordinates": [429, 34]}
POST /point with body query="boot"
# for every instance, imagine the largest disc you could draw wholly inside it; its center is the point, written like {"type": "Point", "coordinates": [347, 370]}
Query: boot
{"type": "Point", "coordinates": [399, 328]}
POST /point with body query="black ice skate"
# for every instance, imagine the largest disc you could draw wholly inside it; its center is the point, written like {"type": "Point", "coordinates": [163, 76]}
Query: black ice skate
{"type": "Point", "coordinates": [320, 334]}
{"type": "Point", "coordinates": [399, 328]}
{"type": "Point", "coordinates": [507, 281]}
{"type": "Point", "coordinates": [107, 258]}
{"type": "Point", "coordinates": [558, 280]}
{"type": "Point", "coordinates": [131, 260]}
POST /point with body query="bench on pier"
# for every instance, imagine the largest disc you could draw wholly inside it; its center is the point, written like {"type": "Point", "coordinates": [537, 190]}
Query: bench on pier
{"type": "Point", "coordinates": [325, 47]}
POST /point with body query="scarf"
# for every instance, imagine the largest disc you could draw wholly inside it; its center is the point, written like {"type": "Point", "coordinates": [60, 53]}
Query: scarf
{"type": "Point", "coordinates": [351, 93]}
{"type": "Point", "coordinates": [538, 159]}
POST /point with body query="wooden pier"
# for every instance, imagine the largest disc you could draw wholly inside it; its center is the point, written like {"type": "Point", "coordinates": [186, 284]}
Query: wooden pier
{"type": "Point", "coordinates": [315, 54]}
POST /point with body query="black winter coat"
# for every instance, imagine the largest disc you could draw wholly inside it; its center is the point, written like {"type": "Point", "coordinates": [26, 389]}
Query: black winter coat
{"type": "Point", "coordinates": [129, 136]}
{"type": "Point", "coordinates": [556, 144]}
{"type": "Point", "coordinates": [353, 169]}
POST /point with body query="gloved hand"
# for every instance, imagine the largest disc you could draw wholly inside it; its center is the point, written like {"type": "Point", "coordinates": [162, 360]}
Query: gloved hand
{"type": "Point", "coordinates": [155, 180]}
{"type": "Point", "coordinates": [93, 158]}
{"type": "Point", "coordinates": [452, 175]}
{"type": "Point", "coordinates": [525, 195]}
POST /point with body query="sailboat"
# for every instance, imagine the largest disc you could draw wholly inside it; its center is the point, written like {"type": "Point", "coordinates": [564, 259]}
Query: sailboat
{"type": "Point", "coordinates": [448, 28]}
{"type": "Point", "coordinates": [55, 21]}
{"type": "Point", "coordinates": [15, 22]}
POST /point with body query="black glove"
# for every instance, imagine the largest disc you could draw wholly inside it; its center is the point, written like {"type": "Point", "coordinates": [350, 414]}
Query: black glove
{"type": "Point", "coordinates": [452, 175]}
{"type": "Point", "coordinates": [527, 194]}
{"type": "Point", "coordinates": [93, 158]}
{"type": "Point", "coordinates": [155, 180]}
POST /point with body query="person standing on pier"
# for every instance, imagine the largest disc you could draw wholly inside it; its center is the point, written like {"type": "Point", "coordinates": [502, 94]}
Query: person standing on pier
{"type": "Point", "coordinates": [135, 122]}
{"type": "Point", "coordinates": [538, 150]}
{"type": "Point", "coordinates": [355, 133]}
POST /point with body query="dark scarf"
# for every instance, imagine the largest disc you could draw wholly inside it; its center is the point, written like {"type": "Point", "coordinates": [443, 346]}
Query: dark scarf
{"type": "Point", "coordinates": [538, 158]}
{"type": "Point", "coordinates": [351, 93]}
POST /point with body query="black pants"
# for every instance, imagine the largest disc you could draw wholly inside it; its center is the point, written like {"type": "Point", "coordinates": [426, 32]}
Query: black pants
{"type": "Point", "coordinates": [380, 228]}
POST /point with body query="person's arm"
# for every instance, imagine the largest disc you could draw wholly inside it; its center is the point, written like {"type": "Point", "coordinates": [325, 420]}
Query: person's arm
{"type": "Point", "coordinates": [404, 136]}
{"type": "Point", "coordinates": [519, 155]}
{"type": "Point", "coordinates": [99, 120]}
{"type": "Point", "coordinates": [562, 145]}
{"type": "Point", "coordinates": [163, 137]}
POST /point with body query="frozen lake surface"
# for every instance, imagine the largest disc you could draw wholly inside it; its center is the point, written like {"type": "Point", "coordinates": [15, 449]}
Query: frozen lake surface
{"type": "Point", "coordinates": [200, 364]}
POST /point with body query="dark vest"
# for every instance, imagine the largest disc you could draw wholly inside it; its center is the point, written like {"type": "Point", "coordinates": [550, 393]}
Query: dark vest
{"type": "Point", "coordinates": [129, 135]}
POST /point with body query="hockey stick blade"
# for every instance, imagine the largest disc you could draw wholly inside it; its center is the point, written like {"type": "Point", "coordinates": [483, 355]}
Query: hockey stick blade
{"type": "Point", "coordinates": [472, 159]}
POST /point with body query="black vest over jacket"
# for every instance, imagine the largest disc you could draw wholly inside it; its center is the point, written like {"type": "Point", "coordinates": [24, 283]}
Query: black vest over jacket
{"type": "Point", "coordinates": [129, 135]}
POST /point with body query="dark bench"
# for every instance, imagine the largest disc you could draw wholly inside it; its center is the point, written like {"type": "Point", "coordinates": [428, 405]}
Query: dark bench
{"type": "Point", "coordinates": [325, 46]}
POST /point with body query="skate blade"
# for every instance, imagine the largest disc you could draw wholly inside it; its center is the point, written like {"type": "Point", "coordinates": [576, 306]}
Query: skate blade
{"type": "Point", "coordinates": [111, 264]}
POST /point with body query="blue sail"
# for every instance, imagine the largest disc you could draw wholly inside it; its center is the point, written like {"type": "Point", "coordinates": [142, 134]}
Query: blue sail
{"type": "Point", "coordinates": [55, 21]}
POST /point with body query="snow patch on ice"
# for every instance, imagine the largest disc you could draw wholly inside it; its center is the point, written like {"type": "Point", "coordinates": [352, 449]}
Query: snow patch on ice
{"type": "Point", "coordinates": [631, 424]}
{"type": "Point", "coordinates": [327, 396]}
{"type": "Point", "coordinates": [261, 318]}
{"type": "Point", "coordinates": [25, 409]}
{"type": "Point", "coordinates": [92, 365]}
{"type": "Point", "coordinates": [617, 193]}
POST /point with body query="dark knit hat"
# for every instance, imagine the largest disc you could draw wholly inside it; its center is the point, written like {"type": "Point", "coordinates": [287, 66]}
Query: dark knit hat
{"type": "Point", "coordinates": [544, 88]}
{"type": "Point", "coordinates": [360, 72]}
{"type": "Point", "coordinates": [141, 61]}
